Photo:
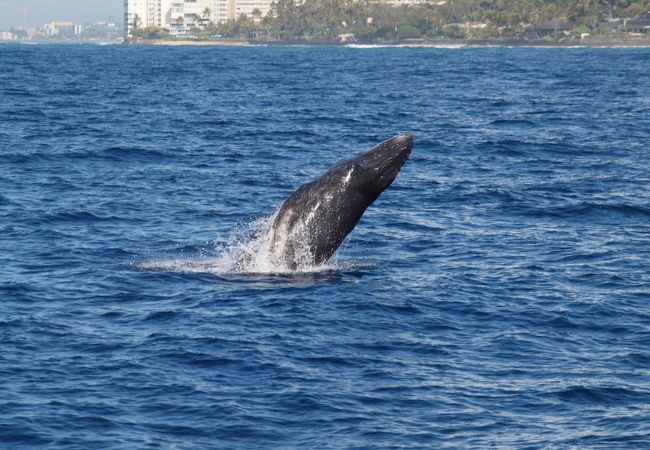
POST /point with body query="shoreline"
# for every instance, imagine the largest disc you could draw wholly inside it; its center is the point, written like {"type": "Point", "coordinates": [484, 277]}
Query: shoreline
{"type": "Point", "coordinates": [436, 45]}
{"type": "Point", "coordinates": [594, 42]}
{"type": "Point", "coordinates": [587, 43]}
{"type": "Point", "coordinates": [193, 43]}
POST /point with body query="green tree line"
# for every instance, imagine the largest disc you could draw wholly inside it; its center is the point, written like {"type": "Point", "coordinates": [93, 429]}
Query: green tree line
{"type": "Point", "coordinates": [375, 21]}
{"type": "Point", "coordinates": [325, 20]}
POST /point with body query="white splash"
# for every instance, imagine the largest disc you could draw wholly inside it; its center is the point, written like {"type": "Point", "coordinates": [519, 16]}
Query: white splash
{"type": "Point", "coordinates": [254, 248]}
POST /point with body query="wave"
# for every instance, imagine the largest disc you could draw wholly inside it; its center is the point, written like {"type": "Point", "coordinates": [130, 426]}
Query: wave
{"type": "Point", "coordinates": [124, 154]}
{"type": "Point", "coordinates": [513, 122]}
{"type": "Point", "coordinates": [600, 395]}
{"type": "Point", "coordinates": [75, 216]}
{"type": "Point", "coordinates": [592, 210]}
{"type": "Point", "coordinates": [364, 46]}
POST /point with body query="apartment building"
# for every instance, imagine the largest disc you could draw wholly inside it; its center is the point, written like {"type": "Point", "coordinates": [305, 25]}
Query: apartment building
{"type": "Point", "coordinates": [183, 14]}
{"type": "Point", "coordinates": [251, 8]}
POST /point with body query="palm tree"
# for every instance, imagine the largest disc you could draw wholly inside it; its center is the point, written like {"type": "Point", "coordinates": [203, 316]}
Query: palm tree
{"type": "Point", "coordinates": [135, 25]}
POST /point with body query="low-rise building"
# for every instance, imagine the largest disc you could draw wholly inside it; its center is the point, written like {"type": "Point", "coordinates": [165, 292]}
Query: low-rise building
{"type": "Point", "coordinates": [7, 36]}
{"type": "Point", "coordinates": [640, 24]}
{"type": "Point", "coordinates": [59, 29]}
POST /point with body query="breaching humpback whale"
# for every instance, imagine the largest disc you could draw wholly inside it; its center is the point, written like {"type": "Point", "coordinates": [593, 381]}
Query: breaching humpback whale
{"type": "Point", "coordinates": [311, 224]}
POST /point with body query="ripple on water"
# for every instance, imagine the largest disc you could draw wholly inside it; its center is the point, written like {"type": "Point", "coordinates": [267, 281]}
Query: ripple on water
{"type": "Point", "coordinates": [495, 295]}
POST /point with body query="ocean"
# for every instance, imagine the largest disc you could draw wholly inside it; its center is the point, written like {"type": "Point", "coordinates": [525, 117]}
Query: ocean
{"type": "Point", "coordinates": [497, 295]}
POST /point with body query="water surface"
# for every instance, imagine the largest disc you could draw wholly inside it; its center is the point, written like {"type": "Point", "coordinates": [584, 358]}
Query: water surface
{"type": "Point", "coordinates": [496, 295]}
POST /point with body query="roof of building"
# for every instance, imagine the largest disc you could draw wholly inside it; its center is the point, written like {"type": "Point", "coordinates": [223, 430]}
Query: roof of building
{"type": "Point", "coordinates": [554, 24]}
{"type": "Point", "coordinates": [641, 20]}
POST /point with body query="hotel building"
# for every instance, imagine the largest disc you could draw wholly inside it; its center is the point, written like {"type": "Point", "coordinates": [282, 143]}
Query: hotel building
{"type": "Point", "coordinates": [178, 16]}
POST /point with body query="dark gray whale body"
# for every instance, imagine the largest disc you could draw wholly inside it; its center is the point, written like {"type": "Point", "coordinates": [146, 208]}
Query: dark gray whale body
{"type": "Point", "coordinates": [313, 222]}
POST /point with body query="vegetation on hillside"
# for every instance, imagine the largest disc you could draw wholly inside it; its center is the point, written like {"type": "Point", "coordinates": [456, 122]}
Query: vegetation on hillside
{"type": "Point", "coordinates": [374, 21]}
{"type": "Point", "coordinates": [325, 20]}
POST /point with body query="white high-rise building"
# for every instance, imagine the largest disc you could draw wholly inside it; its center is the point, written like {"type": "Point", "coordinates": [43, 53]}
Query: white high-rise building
{"type": "Point", "coordinates": [249, 8]}
{"type": "Point", "coordinates": [135, 14]}
{"type": "Point", "coordinates": [142, 13]}
{"type": "Point", "coordinates": [197, 9]}
{"type": "Point", "coordinates": [154, 11]}
{"type": "Point", "coordinates": [220, 10]}
{"type": "Point", "coordinates": [179, 16]}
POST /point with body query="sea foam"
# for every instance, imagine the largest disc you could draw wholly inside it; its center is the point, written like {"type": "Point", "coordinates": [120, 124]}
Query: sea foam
{"type": "Point", "coordinates": [252, 248]}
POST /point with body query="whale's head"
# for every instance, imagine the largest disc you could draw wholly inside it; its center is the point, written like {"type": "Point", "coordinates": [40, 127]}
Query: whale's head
{"type": "Point", "coordinates": [373, 171]}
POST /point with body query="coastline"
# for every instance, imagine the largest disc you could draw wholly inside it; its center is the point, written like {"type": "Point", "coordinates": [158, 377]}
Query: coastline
{"type": "Point", "coordinates": [194, 43]}
{"type": "Point", "coordinates": [594, 42]}
{"type": "Point", "coordinates": [591, 42]}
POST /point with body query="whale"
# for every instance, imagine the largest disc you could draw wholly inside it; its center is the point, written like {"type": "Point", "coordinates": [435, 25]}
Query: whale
{"type": "Point", "coordinates": [311, 224]}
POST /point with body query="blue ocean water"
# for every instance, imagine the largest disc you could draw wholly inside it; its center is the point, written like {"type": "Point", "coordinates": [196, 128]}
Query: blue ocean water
{"type": "Point", "coordinates": [496, 296]}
